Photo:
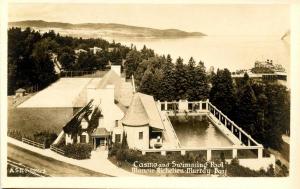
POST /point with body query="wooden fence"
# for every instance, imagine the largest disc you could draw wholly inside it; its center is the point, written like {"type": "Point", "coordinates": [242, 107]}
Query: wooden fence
{"type": "Point", "coordinates": [33, 143]}
{"type": "Point", "coordinates": [57, 150]}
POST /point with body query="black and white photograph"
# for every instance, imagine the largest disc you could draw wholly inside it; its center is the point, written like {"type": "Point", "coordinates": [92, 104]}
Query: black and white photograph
{"type": "Point", "coordinates": [144, 90]}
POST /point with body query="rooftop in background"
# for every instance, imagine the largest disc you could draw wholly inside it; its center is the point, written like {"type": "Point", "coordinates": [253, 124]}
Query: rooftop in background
{"type": "Point", "coordinates": [62, 93]}
{"type": "Point", "coordinates": [143, 112]}
{"type": "Point", "coordinates": [71, 91]}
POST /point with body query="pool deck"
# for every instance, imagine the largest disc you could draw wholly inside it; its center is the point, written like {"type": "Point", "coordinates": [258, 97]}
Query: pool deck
{"type": "Point", "coordinates": [225, 131]}
{"type": "Point", "coordinates": [171, 139]}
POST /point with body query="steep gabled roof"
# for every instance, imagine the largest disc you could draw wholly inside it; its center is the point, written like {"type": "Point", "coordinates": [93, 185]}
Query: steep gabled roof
{"type": "Point", "coordinates": [142, 111]}
{"type": "Point", "coordinates": [111, 78]}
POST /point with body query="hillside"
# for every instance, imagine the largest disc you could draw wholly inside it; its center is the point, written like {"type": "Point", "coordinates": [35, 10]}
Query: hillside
{"type": "Point", "coordinates": [103, 29]}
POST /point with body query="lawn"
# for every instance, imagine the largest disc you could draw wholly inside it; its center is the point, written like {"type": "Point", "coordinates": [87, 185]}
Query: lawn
{"type": "Point", "coordinates": [31, 120]}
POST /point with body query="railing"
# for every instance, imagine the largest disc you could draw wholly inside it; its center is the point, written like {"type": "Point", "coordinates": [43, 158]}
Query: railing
{"type": "Point", "coordinates": [33, 143]}
{"type": "Point", "coordinates": [203, 107]}
{"type": "Point", "coordinates": [233, 125]}
{"type": "Point", "coordinates": [57, 150]}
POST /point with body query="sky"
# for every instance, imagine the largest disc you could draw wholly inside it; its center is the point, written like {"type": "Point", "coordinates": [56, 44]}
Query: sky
{"type": "Point", "coordinates": [270, 19]}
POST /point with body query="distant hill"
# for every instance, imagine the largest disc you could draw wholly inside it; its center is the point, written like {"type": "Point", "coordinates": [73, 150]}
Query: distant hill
{"type": "Point", "coordinates": [103, 29]}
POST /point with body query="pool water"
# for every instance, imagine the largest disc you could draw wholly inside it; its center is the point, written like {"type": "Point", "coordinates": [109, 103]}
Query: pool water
{"type": "Point", "coordinates": [198, 132]}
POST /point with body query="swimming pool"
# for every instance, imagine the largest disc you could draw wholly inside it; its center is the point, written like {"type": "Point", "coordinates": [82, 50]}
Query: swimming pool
{"type": "Point", "coordinates": [198, 132]}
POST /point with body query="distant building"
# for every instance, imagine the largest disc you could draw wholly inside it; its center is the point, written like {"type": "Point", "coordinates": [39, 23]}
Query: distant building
{"type": "Point", "coordinates": [110, 49]}
{"type": "Point", "coordinates": [263, 71]}
{"type": "Point", "coordinates": [95, 50]}
{"type": "Point", "coordinates": [78, 51]}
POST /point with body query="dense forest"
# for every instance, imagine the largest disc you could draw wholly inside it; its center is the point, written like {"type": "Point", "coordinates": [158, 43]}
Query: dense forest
{"type": "Point", "coordinates": [261, 109]}
{"type": "Point", "coordinates": [30, 56]}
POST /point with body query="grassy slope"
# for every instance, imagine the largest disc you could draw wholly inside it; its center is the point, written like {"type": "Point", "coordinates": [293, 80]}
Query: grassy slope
{"type": "Point", "coordinates": [30, 120]}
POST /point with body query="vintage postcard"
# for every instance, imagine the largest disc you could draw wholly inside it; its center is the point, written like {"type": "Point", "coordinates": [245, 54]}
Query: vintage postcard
{"type": "Point", "coordinates": [96, 92]}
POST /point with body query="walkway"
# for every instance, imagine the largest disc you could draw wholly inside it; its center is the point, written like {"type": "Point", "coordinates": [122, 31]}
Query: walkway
{"type": "Point", "coordinates": [226, 132]}
{"type": "Point", "coordinates": [43, 165]}
{"type": "Point", "coordinates": [98, 161]}
{"type": "Point", "coordinates": [171, 139]}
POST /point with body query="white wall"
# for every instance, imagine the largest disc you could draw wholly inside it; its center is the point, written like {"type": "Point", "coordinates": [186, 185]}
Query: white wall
{"type": "Point", "coordinates": [133, 137]}
{"type": "Point", "coordinates": [257, 163]}
{"type": "Point", "coordinates": [117, 130]}
{"type": "Point", "coordinates": [110, 111]}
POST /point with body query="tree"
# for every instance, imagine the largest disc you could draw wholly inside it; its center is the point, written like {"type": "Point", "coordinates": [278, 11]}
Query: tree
{"type": "Point", "coordinates": [276, 114]}
{"type": "Point", "coordinates": [181, 79]}
{"type": "Point", "coordinates": [147, 83]}
{"type": "Point", "coordinates": [222, 93]}
{"type": "Point", "coordinates": [198, 85]}
{"type": "Point", "coordinates": [133, 60]}
{"type": "Point", "coordinates": [67, 57]}
{"type": "Point", "coordinates": [43, 65]}
{"type": "Point", "coordinates": [124, 144]}
{"type": "Point", "coordinates": [147, 53]}
{"type": "Point", "coordinates": [168, 81]}
{"type": "Point", "coordinates": [247, 110]}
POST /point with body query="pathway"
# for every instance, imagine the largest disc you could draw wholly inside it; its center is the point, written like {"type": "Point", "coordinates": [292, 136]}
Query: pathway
{"type": "Point", "coordinates": [98, 161]}
{"type": "Point", "coordinates": [43, 164]}
{"type": "Point", "coordinates": [171, 139]}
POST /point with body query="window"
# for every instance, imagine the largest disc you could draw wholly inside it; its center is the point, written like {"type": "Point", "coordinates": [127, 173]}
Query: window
{"type": "Point", "coordinates": [118, 138]}
{"type": "Point", "coordinates": [140, 135]}
{"type": "Point", "coordinates": [82, 139]}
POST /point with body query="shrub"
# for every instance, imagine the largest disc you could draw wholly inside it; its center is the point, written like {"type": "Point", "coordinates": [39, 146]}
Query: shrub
{"type": "Point", "coordinates": [78, 150]}
{"type": "Point", "coordinates": [113, 150]}
{"type": "Point", "coordinates": [15, 134]}
{"type": "Point", "coordinates": [45, 137]}
{"type": "Point", "coordinates": [278, 162]}
{"type": "Point", "coordinates": [235, 161]}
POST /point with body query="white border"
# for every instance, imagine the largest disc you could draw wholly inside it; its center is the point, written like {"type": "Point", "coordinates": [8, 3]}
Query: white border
{"type": "Point", "coordinates": [292, 181]}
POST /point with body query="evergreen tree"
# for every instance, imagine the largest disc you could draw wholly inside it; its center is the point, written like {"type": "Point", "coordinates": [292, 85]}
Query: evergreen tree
{"type": "Point", "coordinates": [168, 82]}
{"type": "Point", "coordinates": [43, 65]}
{"type": "Point", "coordinates": [181, 79]}
{"type": "Point", "coordinates": [124, 144]}
{"type": "Point", "coordinates": [198, 85]}
{"type": "Point", "coordinates": [222, 93]}
{"type": "Point", "coordinates": [147, 53]}
{"type": "Point", "coordinates": [158, 77]}
{"type": "Point", "coordinates": [133, 60]}
{"type": "Point", "coordinates": [147, 83]}
{"type": "Point", "coordinates": [275, 115]}
{"type": "Point", "coordinates": [247, 110]}
{"type": "Point", "coordinates": [67, 57]}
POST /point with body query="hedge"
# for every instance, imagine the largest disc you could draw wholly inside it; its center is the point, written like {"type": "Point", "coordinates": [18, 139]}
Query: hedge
{"type": "Point", "coordinates": [43, 137]}
{"type": "Point", "coordinates": [78, 150]}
